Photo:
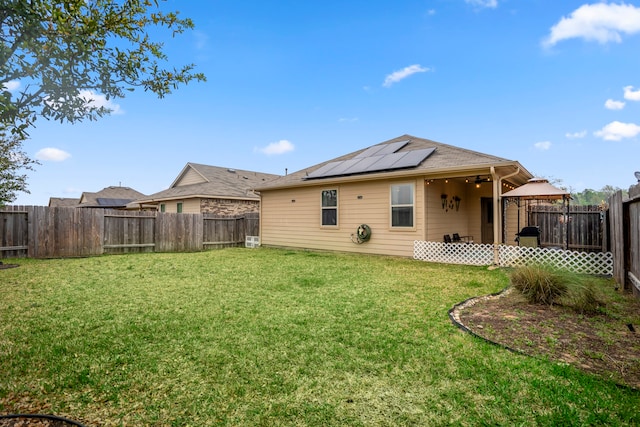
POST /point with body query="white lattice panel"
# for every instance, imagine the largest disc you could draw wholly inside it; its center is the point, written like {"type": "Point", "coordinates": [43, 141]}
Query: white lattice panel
{"type": "Point", "coordinates": [598, 263]}
{"type": "Point", "coordinates": [453, 253]}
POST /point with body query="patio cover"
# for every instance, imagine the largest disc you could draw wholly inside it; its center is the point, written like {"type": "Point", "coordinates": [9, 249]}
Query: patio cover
{"type": "Point", "coordinates": [537, 189]}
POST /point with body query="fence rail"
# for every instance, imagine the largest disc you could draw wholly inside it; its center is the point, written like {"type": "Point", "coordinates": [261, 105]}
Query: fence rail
{"type": "Point", "coordinates": [44, 232]}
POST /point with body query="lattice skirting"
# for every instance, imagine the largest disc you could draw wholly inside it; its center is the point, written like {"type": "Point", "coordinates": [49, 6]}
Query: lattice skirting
{"type": "Point", "coordinates": [597, 263]}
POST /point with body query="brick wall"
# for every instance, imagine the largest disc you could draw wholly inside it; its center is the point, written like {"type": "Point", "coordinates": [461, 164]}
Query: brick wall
{"type": "Point", "coordinates": [228, 206]}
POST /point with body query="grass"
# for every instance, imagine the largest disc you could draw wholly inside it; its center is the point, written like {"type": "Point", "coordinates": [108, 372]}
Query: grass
{"type": "Point", "coordinates": [273, 337]}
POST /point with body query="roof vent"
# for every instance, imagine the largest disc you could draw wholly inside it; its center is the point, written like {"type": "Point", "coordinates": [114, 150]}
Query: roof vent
{"type": "Point", "coordinates": [231, 170]}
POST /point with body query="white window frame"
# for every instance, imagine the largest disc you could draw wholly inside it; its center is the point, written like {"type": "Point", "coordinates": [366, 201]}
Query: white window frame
{"type": "Point", "coordinates": [412, 205]}
{"type": "Point", "coordinates": [323, 208]}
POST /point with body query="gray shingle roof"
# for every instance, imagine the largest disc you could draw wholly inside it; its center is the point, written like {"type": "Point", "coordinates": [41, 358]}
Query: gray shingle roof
{"type": "Point", "coordinates": [109, 197]}
{"type": "Point", "coordinates": [443, 158]}
{"type": "Point", "coordinates": [58, 202]}
{"type": "Point", "coordinates": [220, 182]}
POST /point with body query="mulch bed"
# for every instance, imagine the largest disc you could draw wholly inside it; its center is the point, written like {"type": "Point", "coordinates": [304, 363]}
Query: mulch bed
{"type": "Point", "coordinates": [596, 343]}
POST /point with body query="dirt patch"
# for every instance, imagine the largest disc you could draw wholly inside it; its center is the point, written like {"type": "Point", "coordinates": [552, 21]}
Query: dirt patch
{"type": "Point", "coordinates": [4, 266]}
{"type": "Point", "coordinates": [602, 344]}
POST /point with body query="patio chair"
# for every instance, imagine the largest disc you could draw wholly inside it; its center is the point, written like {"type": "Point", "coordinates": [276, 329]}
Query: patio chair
{"type": "Point", "coordinates": [457, 238]}
{"type": "Point", "coordinates": [447, 238]}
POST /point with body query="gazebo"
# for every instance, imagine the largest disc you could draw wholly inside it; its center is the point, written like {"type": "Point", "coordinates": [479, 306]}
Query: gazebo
{"type": "Point", "coordinates": [536, 189]}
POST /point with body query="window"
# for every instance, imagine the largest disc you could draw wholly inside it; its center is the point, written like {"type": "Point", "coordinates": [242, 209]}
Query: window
{"type": "Point", "coordinates": [330, 207]}
{"type": "Point", "coordinates": [402, 205]}
{"type": "Point", "coordinates": [163, 207]}
{"type": "Point", "coordinates": [179, 207]}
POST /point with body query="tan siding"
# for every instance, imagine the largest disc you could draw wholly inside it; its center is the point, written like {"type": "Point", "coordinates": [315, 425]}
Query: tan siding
{"type": "Point", "coordinates": [188, 206]}
{"type": "Point", "coordinates": [190, 177]}
{"type": "Point", "coordinates": [465, 221]}
{"type": "Point", "coordinates": [297, 224]}
{"type": "Point", "coordinates": [191, 206]}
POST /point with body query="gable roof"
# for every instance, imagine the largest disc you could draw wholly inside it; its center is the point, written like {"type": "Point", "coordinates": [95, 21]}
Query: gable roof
{"type": "Point", "coordinates": [205, 181]}
{"type": "Point", "coordinates": [109, 197]}
{"type": "Point", "coordinates": [429, 158]}
{"type": "Point", "coordinates": [61, 202]}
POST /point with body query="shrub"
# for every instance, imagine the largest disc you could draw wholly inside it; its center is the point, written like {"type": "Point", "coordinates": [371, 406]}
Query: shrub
{"type": "Point", "coordinates": [582, 296]}
{"type": "Point", "coordinates": [540, 285]}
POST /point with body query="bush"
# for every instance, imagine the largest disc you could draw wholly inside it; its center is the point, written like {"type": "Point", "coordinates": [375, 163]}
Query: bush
{"type": "Point", "coordinates": [540, 285]}
{"type": "Point", "coordinates": [583, 297]}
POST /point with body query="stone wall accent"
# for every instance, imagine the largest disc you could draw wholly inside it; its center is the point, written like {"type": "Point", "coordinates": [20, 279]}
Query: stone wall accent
{"type": "Point", "coordinates": [228, 206]}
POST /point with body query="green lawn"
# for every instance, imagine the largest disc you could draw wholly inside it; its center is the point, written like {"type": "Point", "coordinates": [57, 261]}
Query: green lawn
{"type": "Point", "coordinates": [273, 337]}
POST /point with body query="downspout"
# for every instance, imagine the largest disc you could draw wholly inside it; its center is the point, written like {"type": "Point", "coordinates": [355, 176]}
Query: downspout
{"type": "Point", "coordinates": [497, 211]}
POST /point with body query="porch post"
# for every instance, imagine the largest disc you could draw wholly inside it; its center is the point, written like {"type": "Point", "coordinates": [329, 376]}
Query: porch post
{"type": "Point", "coordinates": [496, 217]}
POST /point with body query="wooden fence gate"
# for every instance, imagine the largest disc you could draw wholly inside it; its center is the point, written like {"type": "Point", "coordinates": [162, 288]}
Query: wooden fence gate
{"type": "Point", "coordinates": [43, 232]}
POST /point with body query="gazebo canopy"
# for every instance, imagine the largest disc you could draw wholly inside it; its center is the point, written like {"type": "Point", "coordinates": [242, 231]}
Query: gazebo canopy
{"type": "Point", "coordinates": [538, 189]}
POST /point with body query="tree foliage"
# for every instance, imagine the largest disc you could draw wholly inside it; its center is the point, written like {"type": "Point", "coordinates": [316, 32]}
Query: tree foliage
{"type": "Point", "coordinates": [13, 162]}
{"type": "Point", "coordinates": [58, 53]}
{"type": "Point", "coordinates": [594, 197]}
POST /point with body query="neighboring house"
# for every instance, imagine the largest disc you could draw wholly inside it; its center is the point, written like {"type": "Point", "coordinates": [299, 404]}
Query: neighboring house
{"type": "Point", "coordinates": [109, 198]}
{"type": "Point", "coordinates": [404, 189]}
{"type": "Point", "coordinates": [210, 189]}
{"type": "Point", "coordinates": [63, 202]}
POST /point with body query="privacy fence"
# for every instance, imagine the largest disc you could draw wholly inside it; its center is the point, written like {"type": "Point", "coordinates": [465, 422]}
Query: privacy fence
{"type": "Point", "coordinates": [583, 227]}
{"type": "Point", "coordinates": [44, 232]}
{"type": "Point", "coordinates": [624, 220]}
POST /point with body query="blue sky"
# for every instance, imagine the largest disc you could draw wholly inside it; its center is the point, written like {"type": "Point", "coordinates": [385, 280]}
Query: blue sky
{"type": "Point", "coordinates": [552, 84]}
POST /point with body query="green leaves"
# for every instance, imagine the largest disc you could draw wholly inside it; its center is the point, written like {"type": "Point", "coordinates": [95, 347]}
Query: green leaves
{"type": "Point", "coordinates": [58, 48]}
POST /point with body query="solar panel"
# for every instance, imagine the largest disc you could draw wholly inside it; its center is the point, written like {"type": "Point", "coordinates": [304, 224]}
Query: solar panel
{"type": "Point", "coordinates": [385, 158]}
{"type": "Point", "coordinates": [112, 202]}
{"type": "Point", "coordinates": [382, 149]}
{"type": "Point", "coordinates": [320, 172]}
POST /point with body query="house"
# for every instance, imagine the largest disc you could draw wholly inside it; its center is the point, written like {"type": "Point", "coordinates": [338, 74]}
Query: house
{"type": "Point", "coordinates": [210, 189]}
{"type": "Point", "coordinates": [113, 197]}
{"type": "Point", "coordinates": [382, 198]}
{"type": "Point", "coordinates": [63, 202]}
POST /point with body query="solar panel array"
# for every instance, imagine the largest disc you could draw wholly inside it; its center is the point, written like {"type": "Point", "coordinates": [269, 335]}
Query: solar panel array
{"type": "Point", "coordinates": [374, 159]}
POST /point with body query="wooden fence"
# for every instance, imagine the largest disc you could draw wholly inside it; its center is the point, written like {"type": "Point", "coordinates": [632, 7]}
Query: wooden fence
{"type": "Point", "coordinates": [44, 232]}
{"type": "Point", "coordinates": [583, 228]}
{"type": "Point", "coordinates": [624, 220]}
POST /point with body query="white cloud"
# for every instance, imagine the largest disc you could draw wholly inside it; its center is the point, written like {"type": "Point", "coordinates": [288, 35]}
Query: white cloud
{"type": "Point", "coordinates": [11, 85]}
{"type": "Point", "coordinates": [280, 147]}
{"type": "Point", "coordinates": [630, 94]}
{"type": "Point", "coordinates": [492, 4]}
{"type": "Point", "coordinates": [98, 100]}
{"type": "Point", "coordinates": [396, 76]}
{"type": "Point", "coordinates": [615, 131]}
{"type": "Point", "coordinates": [52, 155]}
{"type": "Point", "coordinates": [576, 135]}
{"type": "Point", "coordinates": [201, 39]}
{"type": "Point", "coordinates": [542, 145]}
{"type": "Point", "coordinates": [610, 104]}
{"type": "Point", "coordinates": [601, 22]}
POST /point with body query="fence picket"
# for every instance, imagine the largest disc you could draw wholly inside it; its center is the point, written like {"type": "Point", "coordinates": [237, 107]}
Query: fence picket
{"type": "Point", "coordinates": [44, 232]}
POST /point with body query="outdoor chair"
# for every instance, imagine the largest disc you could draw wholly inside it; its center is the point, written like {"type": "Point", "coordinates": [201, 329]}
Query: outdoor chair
{"type": "Point", "coordinates": [458, 239]}
{"type": "Point", "coordinates": [447, 238]}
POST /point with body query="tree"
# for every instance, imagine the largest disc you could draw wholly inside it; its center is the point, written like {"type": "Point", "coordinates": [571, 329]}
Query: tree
{"type": "Point", "coordinates": [61, 52]}
{"type": "Point", "coordinates": [12, 162]}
